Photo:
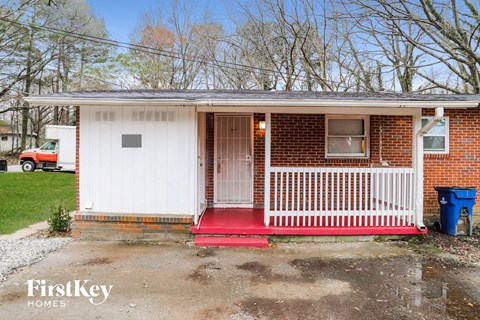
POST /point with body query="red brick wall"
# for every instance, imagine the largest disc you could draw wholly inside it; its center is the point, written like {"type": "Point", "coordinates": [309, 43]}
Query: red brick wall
{"type": "Point", "coordinates": [461, 167]}
{"type": "Point", "coordinates": [299, 140]}
{"type": "Point", "coordinates": [259, 161]}
{"type": "Point", "coordinates": [210, 144]}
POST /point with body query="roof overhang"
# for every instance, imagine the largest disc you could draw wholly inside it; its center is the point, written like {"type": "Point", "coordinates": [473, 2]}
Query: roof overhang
{"type": "Point", "coordinates": [270, 103]}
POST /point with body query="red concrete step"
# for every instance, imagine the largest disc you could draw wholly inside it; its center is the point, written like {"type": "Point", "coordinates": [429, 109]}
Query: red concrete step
{"type": "Point", "coordinates": [201, 241]}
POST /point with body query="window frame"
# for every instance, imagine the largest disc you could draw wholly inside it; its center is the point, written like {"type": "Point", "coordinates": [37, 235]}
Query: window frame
{"type": "Point", "coordinates": [49, 143]}
{"type": "Point", "coordinates": [366, 136]}
{"type": "Point", "coordinates": [446, 135]}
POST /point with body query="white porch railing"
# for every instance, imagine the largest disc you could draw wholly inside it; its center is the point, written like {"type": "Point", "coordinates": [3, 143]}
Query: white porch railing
{"type": "Point", "coordinates": [341, 197]}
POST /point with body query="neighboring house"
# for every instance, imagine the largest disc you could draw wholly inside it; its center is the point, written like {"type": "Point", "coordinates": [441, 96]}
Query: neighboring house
{"type": "Point", "coordinates": [10, 140]}
{"type": "Point", "coordinates": [149, 163]}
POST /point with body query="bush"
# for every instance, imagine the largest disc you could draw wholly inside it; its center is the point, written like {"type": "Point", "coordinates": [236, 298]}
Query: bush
{"type": "Point", "coordinates": [59, 220]}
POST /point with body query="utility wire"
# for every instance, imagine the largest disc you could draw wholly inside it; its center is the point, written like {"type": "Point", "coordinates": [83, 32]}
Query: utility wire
{"type": "Point", "coordinates": [157, 51]}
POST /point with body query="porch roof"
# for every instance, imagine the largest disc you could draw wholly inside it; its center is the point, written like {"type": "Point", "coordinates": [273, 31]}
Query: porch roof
{"type": "Point", "coordinates": [255, 98]}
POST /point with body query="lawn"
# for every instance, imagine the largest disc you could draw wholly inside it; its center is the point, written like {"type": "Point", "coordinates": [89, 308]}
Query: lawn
{"type": "Point", "coordinates": [28, 197]}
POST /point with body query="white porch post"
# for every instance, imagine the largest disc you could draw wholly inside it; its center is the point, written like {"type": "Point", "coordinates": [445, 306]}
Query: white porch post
{"type": "Point", "coordinates": [268, 143]}
{"type": "Point", "coordinates": [196, 153]}
{"type": "Point", "coordinates": [418, 167]}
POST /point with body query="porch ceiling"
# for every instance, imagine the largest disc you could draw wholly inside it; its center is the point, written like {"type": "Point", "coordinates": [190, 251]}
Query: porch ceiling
{"type": "Point", "coordinates": [256, 98]}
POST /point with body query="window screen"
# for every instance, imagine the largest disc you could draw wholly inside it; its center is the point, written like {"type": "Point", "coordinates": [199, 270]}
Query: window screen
{"type": "Point", "coordinates": [346, 137]}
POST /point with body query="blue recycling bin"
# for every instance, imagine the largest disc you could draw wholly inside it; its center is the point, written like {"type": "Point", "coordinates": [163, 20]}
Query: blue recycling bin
{"type": "Point", "coordinates": [456, 203]}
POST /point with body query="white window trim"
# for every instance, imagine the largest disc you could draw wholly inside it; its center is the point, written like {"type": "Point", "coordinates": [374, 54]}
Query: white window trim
{"type": "Point", "coordinates": [366, 155]}
{"type": "Point", "coordinates": [446, 135]}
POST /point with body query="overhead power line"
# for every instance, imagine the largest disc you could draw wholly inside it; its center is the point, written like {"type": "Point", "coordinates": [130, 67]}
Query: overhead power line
{"type": "Point", "coordinates": [157, 51]}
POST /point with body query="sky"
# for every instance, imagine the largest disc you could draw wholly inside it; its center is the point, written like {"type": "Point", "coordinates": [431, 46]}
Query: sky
{"type": "Point", "coordinates": [121, 16]}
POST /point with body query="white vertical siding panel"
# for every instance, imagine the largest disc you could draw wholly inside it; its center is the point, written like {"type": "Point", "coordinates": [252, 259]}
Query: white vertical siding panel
{"type": "Point", "coordinates": [161, 159]}
{"type": "Point", "coordinates": [105, 153]}
{"type": "Point", "coordinates": [96, 163]}
{"type": "Point", "coordinates": [140, 171]}
{"type": "Point", "coordinates": [157, 178]}
{"type": "Point", "coordinates": [117, 165]}
{"type": "Point", "coordinates": [192, 158]}
{"type": "Point", "coordinates": [173, 165]}
{"type": "Point", "coordinates": [150, 161]}
{"type": "Point", "coordinates": [128, 156]}
{"type": "Point", "coordinates": [85, 162]}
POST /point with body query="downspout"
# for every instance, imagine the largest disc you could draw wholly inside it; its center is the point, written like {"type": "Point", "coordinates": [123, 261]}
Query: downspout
{"type": "Point", "coordinates": [432, 123]}
{"type": "Point", "coordinates": [439, 112]}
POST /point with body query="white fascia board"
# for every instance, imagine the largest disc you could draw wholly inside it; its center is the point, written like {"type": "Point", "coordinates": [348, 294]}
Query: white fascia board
{"type": "Point", "coordinates": [72, 101]}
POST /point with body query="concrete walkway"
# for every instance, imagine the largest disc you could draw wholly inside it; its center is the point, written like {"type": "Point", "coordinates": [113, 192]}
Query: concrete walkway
{"type": "Point", "coordinates": [23, 233]}
{"type": "Point", "coordinates": [14, 168]}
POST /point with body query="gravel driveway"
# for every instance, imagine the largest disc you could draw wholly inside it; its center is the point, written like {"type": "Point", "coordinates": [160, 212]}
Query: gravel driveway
{"type": "Point", "coordinates": [15, 254]}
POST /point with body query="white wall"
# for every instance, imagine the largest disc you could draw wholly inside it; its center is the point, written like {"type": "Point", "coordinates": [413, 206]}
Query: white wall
{"type": "Point", "coordinates": [6, 145]}
{"type": "Point", "coordinates": [158, 178]}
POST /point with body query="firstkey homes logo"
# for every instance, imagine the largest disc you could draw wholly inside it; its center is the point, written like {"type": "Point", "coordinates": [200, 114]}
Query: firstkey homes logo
{"type": "Point", "coordinates": [45, 295]}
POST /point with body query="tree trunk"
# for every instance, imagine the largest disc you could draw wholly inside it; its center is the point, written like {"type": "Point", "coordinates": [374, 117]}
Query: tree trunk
{"type": "Point", "coordinates": [28, 84]}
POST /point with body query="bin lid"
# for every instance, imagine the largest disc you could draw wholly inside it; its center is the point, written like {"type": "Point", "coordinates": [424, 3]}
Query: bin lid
{"type": "Point", "coordinates": [454, 188]}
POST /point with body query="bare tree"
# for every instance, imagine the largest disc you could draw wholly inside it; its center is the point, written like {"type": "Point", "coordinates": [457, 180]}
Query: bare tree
{"type": "Point", "coordinates": [450, 36]}
{"type": "Point", "coordinates": [35, 36]}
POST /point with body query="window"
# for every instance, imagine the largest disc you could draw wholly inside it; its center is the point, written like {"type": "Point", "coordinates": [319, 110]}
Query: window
{"type": "Point", "coordinates": [49, 146]}
{"type": "Point", "coordinates": [436, 140]}
{"type": "Point", "coordinates": [4, 138]}
{"type": "Point", "coordinates": [347, 136]}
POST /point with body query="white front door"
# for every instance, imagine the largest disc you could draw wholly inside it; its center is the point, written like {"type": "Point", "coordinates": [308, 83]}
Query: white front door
{"type": "Point", "coordinates": [233, 165]}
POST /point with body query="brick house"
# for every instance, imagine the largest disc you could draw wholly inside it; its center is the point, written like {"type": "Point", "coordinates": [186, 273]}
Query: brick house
{"type": "Point", "coordinates": [153, 164]}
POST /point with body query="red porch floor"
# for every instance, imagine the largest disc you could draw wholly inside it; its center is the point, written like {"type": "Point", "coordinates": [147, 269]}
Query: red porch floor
{"type": "Point", "coordinates": [250, 222]}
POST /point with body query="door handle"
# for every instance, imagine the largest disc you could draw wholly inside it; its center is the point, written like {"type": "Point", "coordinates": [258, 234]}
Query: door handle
{"type": "Point", "coordinates": [219, 166]}
{"type": "Point", "coordinates": [249, 159]}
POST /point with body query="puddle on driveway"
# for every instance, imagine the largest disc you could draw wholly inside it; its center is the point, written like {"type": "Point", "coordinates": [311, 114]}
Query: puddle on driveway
{"type": "Point", "coordinates": [395, 288]}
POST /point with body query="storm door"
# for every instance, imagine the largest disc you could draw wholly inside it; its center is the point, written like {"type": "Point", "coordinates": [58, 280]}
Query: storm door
{"type": "Point", "coordinates": [233, 165]}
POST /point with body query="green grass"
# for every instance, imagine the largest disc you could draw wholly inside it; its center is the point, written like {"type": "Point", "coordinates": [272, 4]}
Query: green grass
{"type": "Point", "coordinates": [29, 197]}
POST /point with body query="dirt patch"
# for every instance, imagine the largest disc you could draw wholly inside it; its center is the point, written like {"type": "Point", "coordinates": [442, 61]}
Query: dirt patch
{"type": "Point", "coordinates": [204, 273]}
{"type": "Point", "coordinates": [257, 268]}
{"type": "Point", "coordinates": [206, 253]}
{"type": "Point", "coordinates": [466, 248]}
{"type": "Point", "coordinates": [277, 309]}
{"type": "Point", "coordinates": [265, 274]}
{"type": "Point", "coordinates": [214, 313]}
{"type": "Point", "coordinates": [45, 234]}
{"type": "Point", "coordinates": [302, 309]}
{"type": "Point", "coordinates": [9, 297]}
{"type": "Point", "coordinates": [97, 261]}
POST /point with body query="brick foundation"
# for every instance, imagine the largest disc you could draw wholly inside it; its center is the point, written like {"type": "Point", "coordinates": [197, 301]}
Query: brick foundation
{"type": "Point", "coordinates": [131, 227]}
